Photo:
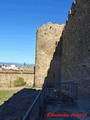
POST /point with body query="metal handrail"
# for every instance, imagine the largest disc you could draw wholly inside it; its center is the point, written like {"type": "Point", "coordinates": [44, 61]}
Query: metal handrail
{"type": "Point", "coordinates": [67, 88]}
{"type": "Point", "coordinates": [38, 106]}
{"type": "Point", "coordinates": [29, 112]}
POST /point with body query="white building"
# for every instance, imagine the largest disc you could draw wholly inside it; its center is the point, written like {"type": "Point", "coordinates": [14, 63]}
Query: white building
{"type": "Point", "coordinates": [11, 67]}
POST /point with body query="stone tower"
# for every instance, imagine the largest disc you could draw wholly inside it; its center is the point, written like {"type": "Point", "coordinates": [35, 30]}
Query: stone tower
{"type": "Point", "coordinates": [47, 38]}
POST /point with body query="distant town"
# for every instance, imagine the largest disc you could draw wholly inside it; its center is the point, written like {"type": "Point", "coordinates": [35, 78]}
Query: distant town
{"type": "Point", "coordinates": [13, 66]}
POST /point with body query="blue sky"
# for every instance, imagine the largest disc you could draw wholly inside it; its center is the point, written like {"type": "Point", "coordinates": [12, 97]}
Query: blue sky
{"type": "Point", "coordinates": [19, 20]}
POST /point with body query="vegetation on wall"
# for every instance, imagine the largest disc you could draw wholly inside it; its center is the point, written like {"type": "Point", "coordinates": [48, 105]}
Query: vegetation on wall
{"type": "Point", "coordinates": [19, 82]}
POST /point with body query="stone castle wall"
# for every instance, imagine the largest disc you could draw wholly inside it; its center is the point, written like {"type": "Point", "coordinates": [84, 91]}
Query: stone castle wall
{"type": "Point", "coordinates": [66, 55]}
{"type": "Point", "coordinates": [76, 46]}
{"type": "Point", "coordinates": [47, 39]}
{"type": "Point", "coordinates": [7, 77]}
{"type": "Point", "coordinates": [62, 52]}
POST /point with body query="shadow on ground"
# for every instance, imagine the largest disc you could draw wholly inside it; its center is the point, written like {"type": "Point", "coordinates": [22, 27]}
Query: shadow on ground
{"type": "Point", "coordinates": [16, 107]}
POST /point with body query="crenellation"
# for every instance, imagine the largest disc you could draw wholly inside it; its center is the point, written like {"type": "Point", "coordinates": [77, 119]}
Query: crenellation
{"type": "Point", "coordinates": [75, 60]}
{"type": "Point", "coordinates": [66, 21]}
{"type": "Point", "coordinates": [69, 14]}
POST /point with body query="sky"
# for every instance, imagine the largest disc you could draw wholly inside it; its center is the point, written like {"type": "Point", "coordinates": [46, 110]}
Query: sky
{"type": "Point", "coordinates": [19, 20]}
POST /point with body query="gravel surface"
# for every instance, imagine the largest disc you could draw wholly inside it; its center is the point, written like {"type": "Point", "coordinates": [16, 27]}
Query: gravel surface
{"type": "Point", "coordinates": [16, 107]}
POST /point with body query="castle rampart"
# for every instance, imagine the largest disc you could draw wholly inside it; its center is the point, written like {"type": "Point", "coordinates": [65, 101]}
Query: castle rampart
{"type": "Point", "coordinates": [7, 77]}
{"type": "Point", "coordinates": [62, 51]}
{"type": "Point", "coordinates": [76, 46]}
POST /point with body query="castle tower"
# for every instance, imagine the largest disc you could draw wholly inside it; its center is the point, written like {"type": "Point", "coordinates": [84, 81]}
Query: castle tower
{"type": "Point", "coordinates": [47, 39]}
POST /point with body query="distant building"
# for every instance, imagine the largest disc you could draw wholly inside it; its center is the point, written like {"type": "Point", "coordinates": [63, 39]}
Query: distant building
{"type": "Point", "coordinates": [10, 67]}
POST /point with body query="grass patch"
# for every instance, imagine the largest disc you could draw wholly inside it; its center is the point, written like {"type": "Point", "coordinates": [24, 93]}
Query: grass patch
{"type": "Point", "coordinates": [5, 95]}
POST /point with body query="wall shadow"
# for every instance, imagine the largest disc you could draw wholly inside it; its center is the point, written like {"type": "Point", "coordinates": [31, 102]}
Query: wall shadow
{"type": "Point", "coordinates": [54, 71]}
{"type": "Point", "coordinates": [16, 106]}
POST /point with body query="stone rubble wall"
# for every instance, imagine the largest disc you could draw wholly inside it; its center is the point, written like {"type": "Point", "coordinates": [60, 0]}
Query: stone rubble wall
{"type": "Point", "coordinates": [76, 46]}
{"type": "Point", "coordinates": [7, 77]}
{"type": "Point", "coordinates": [47, 39]}
{"type": "Point", "coordinates": [62, 52]}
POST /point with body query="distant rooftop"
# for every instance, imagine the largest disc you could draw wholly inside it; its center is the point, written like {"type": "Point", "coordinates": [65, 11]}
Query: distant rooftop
{"type": "Point", "coordinates": [17, 64]}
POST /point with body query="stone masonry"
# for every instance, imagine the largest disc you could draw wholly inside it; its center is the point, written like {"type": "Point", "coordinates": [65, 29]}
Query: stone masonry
{"type": "Point", "coordinates": [76, 46]}
{"type": "Point", "coordinates": [62, 51]}
{"type": "Point", "coordinates": [7, 77]}
{"type": "Point", "coordinates": [47, 39]}
{"type": "Point", "coordinates": [74, 62]}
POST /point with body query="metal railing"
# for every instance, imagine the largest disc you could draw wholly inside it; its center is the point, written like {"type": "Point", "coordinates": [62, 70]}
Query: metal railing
{"type": "Point", "coordinates": [35, 112]}
{"type": "Point", "coordinates": [63, 91]}
{"type": "Point", "coordinates": [52, 91]}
